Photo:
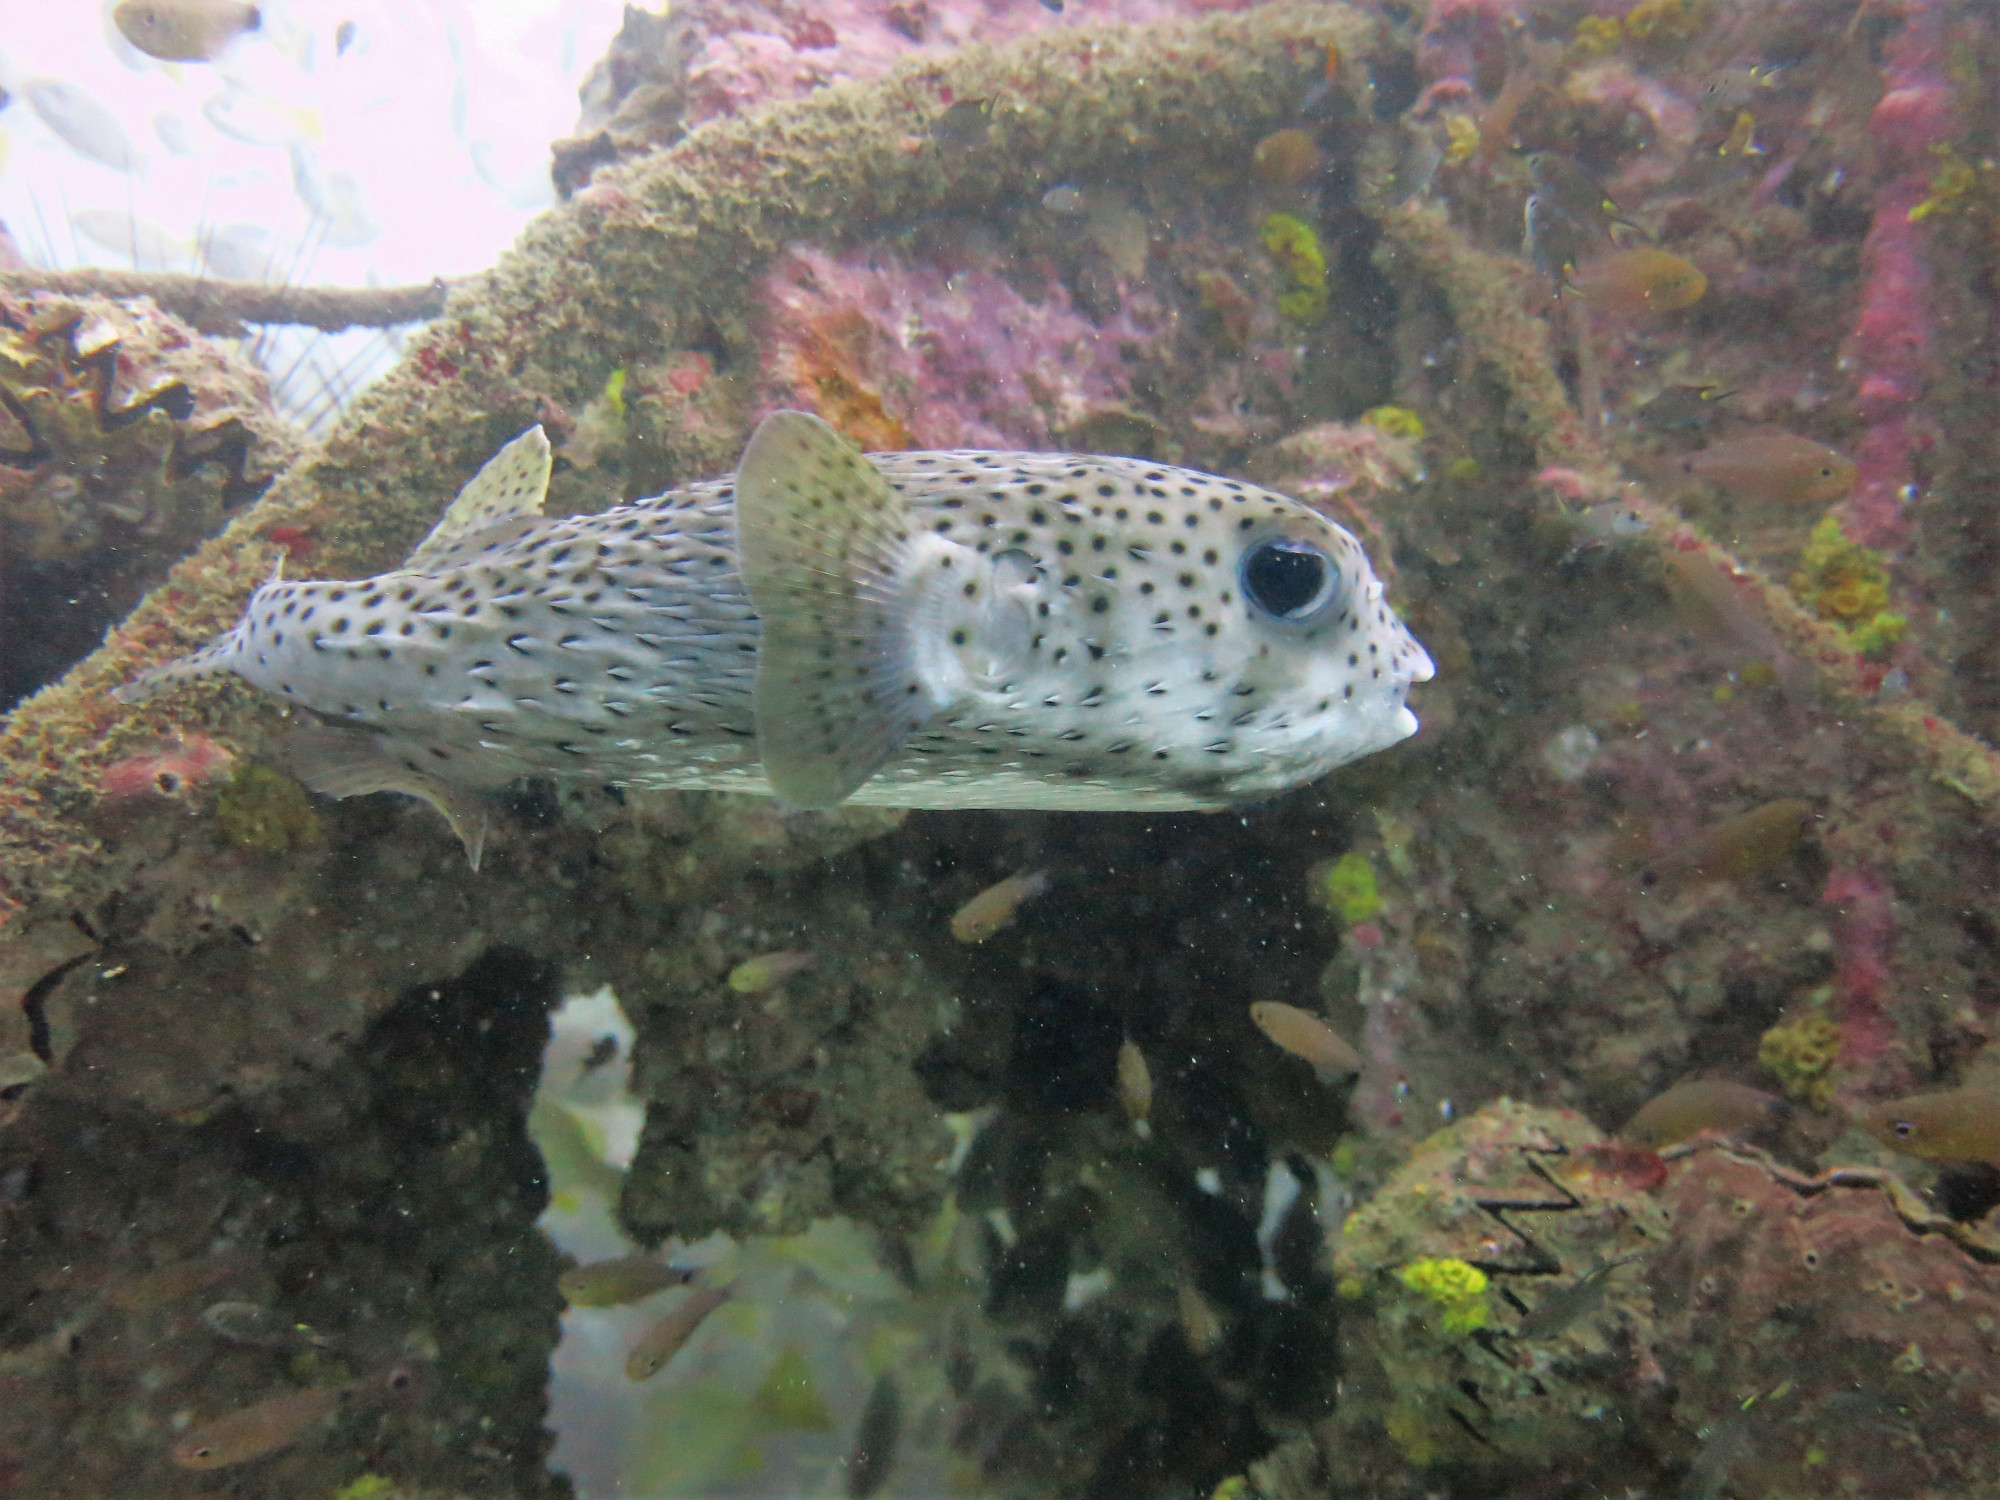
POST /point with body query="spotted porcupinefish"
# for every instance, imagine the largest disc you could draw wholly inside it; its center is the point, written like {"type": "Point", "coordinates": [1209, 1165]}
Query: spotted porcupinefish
{"type": "Point", "coordinates": [964, 630]}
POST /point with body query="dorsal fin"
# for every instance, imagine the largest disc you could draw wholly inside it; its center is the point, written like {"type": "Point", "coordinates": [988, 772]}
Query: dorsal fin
{"type": "Point", "coordinates": [512, 486]}
{"type": "Point", "coordinates": [828, 556]}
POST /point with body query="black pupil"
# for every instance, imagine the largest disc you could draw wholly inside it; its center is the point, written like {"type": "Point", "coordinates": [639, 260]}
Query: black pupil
{"type": "Point", "coordinates": [1284, 579]}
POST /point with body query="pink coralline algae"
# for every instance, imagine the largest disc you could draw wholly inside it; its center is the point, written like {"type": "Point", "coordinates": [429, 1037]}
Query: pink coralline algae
{"type": "Point", "coordinates": [170, 769]}
{"type": "Point", "coordinates": [751, 52]}
{"type": "Point", "coordinates": [1864, 929]}
{"type": "Point", "coordinates": [1463, 44]}
{"type": "Point", "coordinates": [943, 358]}
{"type": "Point", "coordinates": [1892, 338]}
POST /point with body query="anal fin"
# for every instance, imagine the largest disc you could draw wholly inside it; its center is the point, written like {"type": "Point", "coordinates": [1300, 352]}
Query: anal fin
{"type": "Point", "coordinates": [351, 763]}
{"type": "Point", "coordinates": [829, 558]}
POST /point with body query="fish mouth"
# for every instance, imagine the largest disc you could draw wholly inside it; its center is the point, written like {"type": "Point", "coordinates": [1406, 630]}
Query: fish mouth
{"type": "Point", "coordinates": [1420, 667]}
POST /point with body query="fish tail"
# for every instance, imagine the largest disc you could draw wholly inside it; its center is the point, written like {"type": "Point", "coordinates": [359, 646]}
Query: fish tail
{"type": "Point", "coordinates": [219, 655]}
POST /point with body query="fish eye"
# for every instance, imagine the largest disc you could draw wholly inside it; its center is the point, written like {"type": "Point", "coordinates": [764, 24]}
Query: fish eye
{"type": "Point", "coordinates": [1904, 1128]}
{"type": "Point", "coordinates": [1288, 579]}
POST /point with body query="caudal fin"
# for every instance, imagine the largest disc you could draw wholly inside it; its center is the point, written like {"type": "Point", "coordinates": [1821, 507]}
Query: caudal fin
{"type": "Point", "coordinates": [219, 655]}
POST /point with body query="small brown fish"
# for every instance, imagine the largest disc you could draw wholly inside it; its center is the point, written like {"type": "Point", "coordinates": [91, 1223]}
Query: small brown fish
{"type": "Point", "coordinates": [1774, 465]}
{"type": "Point", "coordinates": [1954, 1125]}
{"type": "Point", "coordinates": [1641, 281]}
{"type": "Point", "coordinates": [1687, 1109]}
{"type": "Point", "coordinates": [754, 976]}
{"type": "Point", "coordinates": [964, 126]}
{"type": "Point", "coordinates": [184, 30]}
{"type": "Point", "coordinates": [1724, 602]}
{"type": "Point", "coordinates": [1737, 848]}
{"type": "Point", "coordinates": [1201, 1324]}
{"type": "Point", "coordinates": [259, 1430]}
{"type": "Point", "coordinates": [613, 1283]}
{"type": "Point", "coordinates": [665, 1338]}
{"type": "Point", "coordinates": [182, 1278]}
{"type": "Point", "coordinates": [995, 907]}
{"type": "Point", "coordinates": [1568, 190]}
{"type": "Point", "coordinates": [1285, 158]}
{"type": "Point", "coordinates": [1305, 1035]}
{"type": "Point", "coordinates": [1135, 1087]}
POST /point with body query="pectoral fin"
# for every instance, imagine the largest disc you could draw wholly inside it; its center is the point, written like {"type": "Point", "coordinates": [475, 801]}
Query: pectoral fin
{"type": "Point", "coordinates": [830, 559]}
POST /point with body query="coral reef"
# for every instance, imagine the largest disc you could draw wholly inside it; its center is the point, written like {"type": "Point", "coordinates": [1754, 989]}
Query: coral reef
{"type": "Point", "coordinates": [127, 439]}
{"type": "Point", "coordinates": [1877, 1383]}
{"type": "Point", "coordinates": [902, 356]}
{"type": "Point", "coordinates": [653, 263]}
{"type": "Point", "coordinates": [1690, 802]}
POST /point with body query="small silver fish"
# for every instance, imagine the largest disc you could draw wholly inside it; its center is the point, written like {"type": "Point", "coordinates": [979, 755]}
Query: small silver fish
{"type": "Point", "coordinates": [147, 246]}
{"type": "Point", "coordinates": [965, 629]}
{"type": "Point", "coordinates": [259, 119]}
{"type": "Point", "coordinates": [1557, 1309]}
{"type": "Point", "coordinates": [81, 123]}
{"type": "Point", "coordinates": [334, 198]}
{"type": "Point", "coordinates": [255, 1326]}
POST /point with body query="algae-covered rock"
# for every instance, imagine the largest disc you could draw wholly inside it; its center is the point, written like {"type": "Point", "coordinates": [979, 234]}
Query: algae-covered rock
{"type": "Point", "coordinates": [267, 811]}
{"type": "Point", "coordinates": [1498, 1282]}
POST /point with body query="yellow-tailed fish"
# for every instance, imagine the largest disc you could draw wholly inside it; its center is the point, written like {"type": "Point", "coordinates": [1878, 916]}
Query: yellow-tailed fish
{"type": "Point", "coordinates": [612, 1283]}
{"type": "Point", "coordinates": [995, 908]}
{"type": "Point", "coordinates": [1774, 465]}
{"type": "Point", "coordinates": [767, 971]}
{"type": "Point", "coordinates": [1645, 280]}
{"type": "Point", "coordinates": [665, 1338]}
{"type": "Point", "coordinates": [1566, 189]}
{"type": "Point", "coordinates": [259, 1430]}
{"type": "Point", "coordinates": [1305, 1035]}
{"type": "Point", "coordinates": [1954, 1125]}
{"type": "Point", "coordinates": [1687, 1109]}
{"type": "Point", "coordinates": [184, 30]}
{"type": "Point", "coordinates": [1135, 1087]}
{"type": "Point", "coordinates": [256, 1326]}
